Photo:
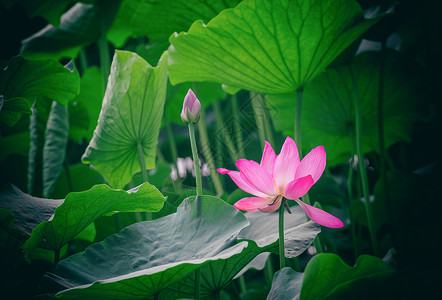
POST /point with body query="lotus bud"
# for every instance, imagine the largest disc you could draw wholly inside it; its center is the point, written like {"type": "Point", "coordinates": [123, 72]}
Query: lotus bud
{"type": "Point", "coordinates": [191, 108]}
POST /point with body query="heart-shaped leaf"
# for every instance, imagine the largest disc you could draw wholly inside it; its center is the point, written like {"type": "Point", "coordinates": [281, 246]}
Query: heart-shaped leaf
{"type": "Point", "coordinates": [79, 26]}
{"type": "Point", "coordinates": [327, 276]}
{"type": "Point", "coordinates": [270, 47]}
{"type": "Point", "coordinates": [159, 19]}
{"type": "Point", "coordinates": [130, 118]}
{"type": "Point", "coordinates": [46, 78]}
{"type": "Point", "coordinates": [286, 285]}
{"type": "Point", "coordinates": [54, 149]}
{"type": "Point", "coordinates": [149, 256]}
{"type": "Point", "coordinates": [328, 113]}
{"type": "Point", "coordinates": [80, 209]}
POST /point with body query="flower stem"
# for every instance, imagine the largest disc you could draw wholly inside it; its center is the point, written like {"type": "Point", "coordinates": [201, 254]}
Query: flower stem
{"type": "Point", "coordinates": [223, 128]}
{"type": "Point", "coordinates": [199, 187]}
{"type": "Point", "coordinates": [282, 262]}
{"type": "Point", "coordinates": [361, 162]}
{"type": "Point", "coordinates": [242, 284]}
{"type": "Point", "coordinates": [103, 49]}
{"type": "Point", "coordinates": [268, 125]}
{"type": "Point", "coordinates": [204, 138]}
{"type": "Point", "coordinates": [82, 57]}
{"type": "Point", "coordinates": [174, 152]}
{"type": "Point", "coordinates": [236, 119]}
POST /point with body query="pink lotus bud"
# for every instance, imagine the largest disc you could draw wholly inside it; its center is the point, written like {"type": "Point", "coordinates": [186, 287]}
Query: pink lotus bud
{"type": "Point", "coordinates": [191, 108]}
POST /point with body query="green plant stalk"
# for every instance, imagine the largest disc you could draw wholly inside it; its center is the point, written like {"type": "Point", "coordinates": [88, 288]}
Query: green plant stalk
{"type": "Point", "coordinates": [257, 110]}
{"type": "Point", "coordinates": [267, 124]}
{"type": "Point", "coordinates": [268, 271]}
{"type": "Point", "coordinates": [204, 138]}
{"type": "Point", "coordinates": [382, 150]}
{"type": "Point", "coordinates": [103, 49]}
{"type": "Point", "coordinates": [205, 146]}
{"type": "Point", "coordinates": [298, 140]}
{"type": "Point", "coordinates": [242, 284]}
{"type": "Point", "coordinates": [237, 126]}
{"type": "Point", "coordinates": [227, 138]}
{"type": "Point", "coordinates": [174, 153]}
{"type": "Point", "coordinates": [199, 192]}
{"type": "Point", "coordinates": [83, 60]}
{"type": "Point", "coordinates": [199, 186]}
{"type": "Point", "coordinates": [218, 142]}
{"type": "Point", "coordinates": [56, 257]}
{"type": "Point", "coordinates": [147, 215]}
{"type": "Point", "coordinates": [68, 176]}
{"type": "Point", "coordinates": [282, 262]}
{"type": "Point", "coordinates": [351, 196]}
{"type": "Point", "coordinates": [361, 163]}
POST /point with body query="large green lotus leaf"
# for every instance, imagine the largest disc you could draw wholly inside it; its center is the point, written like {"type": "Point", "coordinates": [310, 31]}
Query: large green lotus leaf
{"type": "Point", "coordinates": [80, 26]}
{"type": "Point", "coordinates": [46, 78]}
{"type": "Point", "coordinates": [146, 257]}
{"type": "Point", "coordinates": [286, 285]}
{"type": "Point", "coordinates": [51, 10]}
{"type": "Point", "coordinates": [130, 116]}
{"type": "Point", "coordinates": [54, 149]}
{"type": "Point", "coordinates": [327, 276]}
{"type": "Point", "coordinates": [80, 209]}
{"type": "Point", "coordinates": [270, 47]}
{"type": "Point", "coordinates": [328, 110]}
{"type": "Point", "coordinates": [159, 19]}
{"type": "Point", "coordinates": [262, 236]}
{"type": "Point", "coordinates": [27, 210]}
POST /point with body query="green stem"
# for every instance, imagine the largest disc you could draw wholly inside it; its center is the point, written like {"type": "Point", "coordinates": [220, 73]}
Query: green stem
{"type": "Point", "coordinates": [103, 49]}
{"type": "Point", "coordinates": [68, 176]}
{"type": "Point", "coordinates": [361, 162]}
{"type": "Point", "coordinates": [141, 161]}
{"type": "Point", "coordinates": [268, 271]}
{"type": "Point", "coordinates": [83, 60]}
{"type": "Point", "coordinates": [56, 257]}
{"type": "Point", "coordinates": [242, 284]}
{"type": "Point", "coordinates": [147, 215]}
{"type": "Point", "coordinates": [205, 146]}
{"type": "Point", "coordinates": [216, 295]}
{"type": "Point", "coordinates": [237, 125]}
{"type": "Point", "coordinates": [281, 236]}
{"type": "Point", "coordinates": [267, 124]}
{"type": "Point", "coordinates": [174, 152]}
{"type": "Point", "coordinates": [257, 109]}
{"type": "Point", "coordinates": [382, 150]}
{"type": "Point", "coordinates": [199, 187]}
{"type": "Point", "coordinates": [222, 127]}
{"type": "Point", "coordinates": [204, 138]}
{"type": "Point", "coordinates": [351, 197]}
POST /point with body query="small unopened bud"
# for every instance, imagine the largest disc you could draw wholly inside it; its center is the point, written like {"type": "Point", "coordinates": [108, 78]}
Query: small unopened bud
{"type": "Point", "coordinates": [191, 108]}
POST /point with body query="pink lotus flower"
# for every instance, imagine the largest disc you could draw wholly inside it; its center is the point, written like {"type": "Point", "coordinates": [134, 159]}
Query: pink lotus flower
{"type": "Point", "coordinates": [280, 176]}
{"type": "Point", "coordinates": [191, 108]}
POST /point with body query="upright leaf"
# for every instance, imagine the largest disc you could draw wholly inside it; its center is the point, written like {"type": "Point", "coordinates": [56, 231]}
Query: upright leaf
{"type": "Point", "coordinates": [286, 285]}
{"type": "Point", "coordinates": [328, 277]}
{"type": "Point", "coordinates": [80, 209]}
{"type": "Point", "coordinates": [146, 257]}
{"type": "Point", "coordinates": [54, 149]}
{"type": "Point", "coordinates": [130, 118]}
{"type": "Point", "coordinates": [47, 78]}
{"type": "Point", "coordinates": [159, 19]}
{"type": "Point", "coordinates": [270, 47]}
{"type": "Point", "coordinates": [328, 113]}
